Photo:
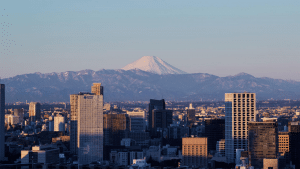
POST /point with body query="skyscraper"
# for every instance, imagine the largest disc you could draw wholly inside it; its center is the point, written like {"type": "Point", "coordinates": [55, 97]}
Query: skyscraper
{"type": "Point", "coordinates": [34, 111]}
{"type": "Point", "coordinates": [87, 126]}
{"type": "Point", "coordinates": [59, 123]}
{"type": "Point", "coordinates": [154, 104]}
{"type": "Point", "coordinates": [161, 119]}
{"type": "Point", "coordinates": [214, 131]}
{"type": "Point", "coordinates": [294, 130]}
{"type": "Point", "coordinates": [239, 110]}
{"type": "Point", "coordinates": [2, 120]}
{"type": "Point", "coordinates": [263, 142]}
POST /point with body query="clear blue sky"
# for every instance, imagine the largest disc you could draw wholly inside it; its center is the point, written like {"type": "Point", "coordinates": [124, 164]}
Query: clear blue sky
{"type": "Point", "coordinates": [223, 38]}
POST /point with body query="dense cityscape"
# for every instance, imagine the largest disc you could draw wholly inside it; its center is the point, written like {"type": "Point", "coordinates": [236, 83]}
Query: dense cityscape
{"type": "Point", "coordinates": [87, 132]}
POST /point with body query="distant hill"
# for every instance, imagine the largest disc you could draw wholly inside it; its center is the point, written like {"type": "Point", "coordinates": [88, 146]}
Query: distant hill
{"type": "Point", "coordinates": [135, 85]}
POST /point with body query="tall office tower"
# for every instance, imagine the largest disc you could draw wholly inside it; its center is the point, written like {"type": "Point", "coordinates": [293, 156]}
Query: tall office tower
{"type": "Point", "coordinates": [34, 111]}
{"type": "Point", "coordinates": [161, 119]}
{"type": "Point", "coordinates": [294, 130]}
{"type": "Point", "coordinates": [239, 110]}
{"type": "Point", "coordinates": [214, 131]}
{"type": "Point", "coordinates": [154, 104]}
{"type": "Point", "coordinates": [194, 152]}
{"type": "Point", "coordinates": [87, 127]}
{"type": "Point", "coordinates": [263, 142]}
{"type": "Point", "coordinates": [116, 127]}
{"type": "Point", "coordinates": [59, 123]}
{"type": "Point", "coordinates": [191, 114]}
{"type": "Point", "coordinates": [284, 145]}
{"type": "Point", "coordinates": [2, 120]}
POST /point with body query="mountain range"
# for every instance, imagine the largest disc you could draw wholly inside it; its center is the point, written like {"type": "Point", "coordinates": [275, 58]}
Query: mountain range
{"type": "Point", "coordinates": [135, 84]}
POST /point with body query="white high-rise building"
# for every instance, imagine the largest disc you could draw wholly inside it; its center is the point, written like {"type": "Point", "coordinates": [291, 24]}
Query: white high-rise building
{"type": "Point", "coordinates": [2, 120]}
{"type": "Point", "coordinates": [59, 123]}
{"type": "Point", "coordinates": [240, 108]}
{"type": "Point", "coordinates": [87, 125]}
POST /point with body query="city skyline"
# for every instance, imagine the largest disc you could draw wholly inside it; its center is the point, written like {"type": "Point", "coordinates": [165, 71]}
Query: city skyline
{"type": "Point", "coordinates": [219, 38]}
{"type": "Point", "coordinates": [91, 133]}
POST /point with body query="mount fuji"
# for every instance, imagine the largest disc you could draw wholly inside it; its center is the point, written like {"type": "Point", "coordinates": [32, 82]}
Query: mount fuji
{"type": "Point", "coordinates": [153, 64]}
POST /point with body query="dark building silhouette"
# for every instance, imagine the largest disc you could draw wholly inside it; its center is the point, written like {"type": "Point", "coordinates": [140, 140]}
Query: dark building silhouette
{"type": "Point", "coordinates": [191, 115]}
{"type": "Point", "coordinates": [294, 130]}
{"type": "Point", "coordinates": [262, 142]}
{"type": "Point", "coordinates": [161, 119]}
{"type": "Point", "coordinates": [116, 127]}
{"type": "Point", "coordinates": [214, 131]}
{"type": "Point", "coordinates": [154, 104]}
{"type": "Point", "coordinates": [141, 138]}
{"type": "Point", "coordinates": [2, 120]}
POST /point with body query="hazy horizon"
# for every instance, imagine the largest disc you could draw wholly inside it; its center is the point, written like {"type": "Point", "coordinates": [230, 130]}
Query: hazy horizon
{"type": "Point", "coordinates": [219, 38]}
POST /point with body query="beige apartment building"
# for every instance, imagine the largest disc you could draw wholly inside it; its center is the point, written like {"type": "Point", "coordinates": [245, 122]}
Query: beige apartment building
{"type": "Point", "coordinates": [283, 143]}
{"type": "Point", "coordinates": [194, 152]}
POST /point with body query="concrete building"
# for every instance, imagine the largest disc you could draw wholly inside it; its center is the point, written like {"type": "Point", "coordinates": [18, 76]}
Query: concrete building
{"type": "Point", "coordinates": [154, 104]}
{"type": "Point", "coordinates": [11, 119]}
{"type": "Point", "coordinates": [116, 127]}
{"type": "Point", "coordinates": [2, 120]}
{"type": "Point", "coordinates": [220, 147]}
{"type": "Point", "coordinates": [214, 131]}
{"type": "Point", "coordinates": [87, 125]}
{"type": "Point", "coordinates": [59, 123]}
{"type": "Point", "coordinates": [20, 113]}
{"type": "Point", "coordinates": [140, 164]}
{"type": "Point", "coordinates": [239, 110]}
{"type": "Point", "coordinates": [263, 142]}
{"type": "Point", "coordinates": [270, 163]}
{"type": "Point", "coordinates": [191, 114]}
{"type": "Point", "coordinates": [125, 158]}
{"type": "Point", "coordinates": [161, 119]}
{"type": "Point", "coordinates": [294, 130]}
{"type": "Point", "coordinates": [137, 120]}
{"type": "Point", "coordinates": [140, 138]}
{"type": "Point", "coordinates": [40, 154]}
{"type": "Point", "coordinates": [35, 111]}
{"type": "Point", "coordinates": [284, 144]}
{"type": "Point", "coordinates": [194, 152]}
{"type": "Point", "coordinates": [97, 89]}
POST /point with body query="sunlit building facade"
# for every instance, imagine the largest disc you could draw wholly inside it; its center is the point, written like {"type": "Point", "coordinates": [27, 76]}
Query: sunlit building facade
{"type": "Point", "coordinates": [87, 126]}
{"type": "Point", "coordinates": [35, 111]}
{"type": "Point", "coordinates": [194, 152]}
{"type": "Point", "coordinates": [239, 110]}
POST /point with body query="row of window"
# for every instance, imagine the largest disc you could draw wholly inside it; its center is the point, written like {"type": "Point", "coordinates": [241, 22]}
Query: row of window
{"type": "Point", "coordinates": [243, 95]}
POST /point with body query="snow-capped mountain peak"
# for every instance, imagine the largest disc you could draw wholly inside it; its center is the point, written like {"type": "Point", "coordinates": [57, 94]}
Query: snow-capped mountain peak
{"type": "Point", "coordinates": [153, 64]}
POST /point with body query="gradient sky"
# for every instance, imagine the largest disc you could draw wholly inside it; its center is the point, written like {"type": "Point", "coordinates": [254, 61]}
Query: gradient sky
{"type": "Point", "coordinates": [223, 38]}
